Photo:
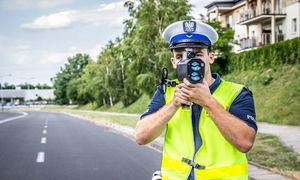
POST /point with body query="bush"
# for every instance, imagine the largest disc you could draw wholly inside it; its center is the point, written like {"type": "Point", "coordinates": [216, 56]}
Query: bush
{"type": "Point", "coordinates": [269, 56]}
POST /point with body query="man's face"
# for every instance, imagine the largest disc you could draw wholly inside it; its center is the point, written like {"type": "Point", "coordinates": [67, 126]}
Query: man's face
{"type": "Point", "coordinates": [201, 53]}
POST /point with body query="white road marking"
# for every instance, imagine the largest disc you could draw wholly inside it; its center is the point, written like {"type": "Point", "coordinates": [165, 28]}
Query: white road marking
{"type": "Point", "coordinates": [44, 131]}
{"type": "Point", "coordinates": [40, 157]}
{"type": "Point", "coordinates": [13, 118]}
{"type": "Point", "coordinates": [43, 140]}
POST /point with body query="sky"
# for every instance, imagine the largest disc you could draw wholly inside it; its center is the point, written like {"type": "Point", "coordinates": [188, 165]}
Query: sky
{"type": "Point", "coordinates": [38, 36]}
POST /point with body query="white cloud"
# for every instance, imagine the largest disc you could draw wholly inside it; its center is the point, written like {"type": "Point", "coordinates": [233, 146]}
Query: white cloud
{"type": "Point", "coordinates": [28, 4]}
{"type": "Point", "coordinates": [111, 14]}
{"type": "Point", "coordinates": [52, 21]}
{"type": "Point", "coordinates": [23, 61]}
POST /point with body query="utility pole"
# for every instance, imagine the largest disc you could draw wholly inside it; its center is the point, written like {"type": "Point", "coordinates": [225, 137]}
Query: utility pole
{"type": "Point", "coordinates": [1, 78]}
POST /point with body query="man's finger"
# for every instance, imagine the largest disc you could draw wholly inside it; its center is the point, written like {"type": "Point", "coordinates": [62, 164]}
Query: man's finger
{"type": "Point", "coordinates": [186, 91]}
{"type": "Point", "coordinates": [183, 101]}
{"type": "Point", "coordinates": [187, 83]}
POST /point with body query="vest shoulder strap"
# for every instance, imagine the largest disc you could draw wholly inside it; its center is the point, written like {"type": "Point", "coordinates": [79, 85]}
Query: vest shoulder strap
{"type": "Point", "coordinates": [227, 92]}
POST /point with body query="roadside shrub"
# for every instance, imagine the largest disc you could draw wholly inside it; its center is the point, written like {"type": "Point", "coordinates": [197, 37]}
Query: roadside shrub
{"type": "Point", "coordinates": [286, 52]}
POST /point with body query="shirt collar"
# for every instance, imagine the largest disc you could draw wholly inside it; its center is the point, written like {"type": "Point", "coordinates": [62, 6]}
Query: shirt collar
{"type": "Point", "coordinates": [216, 83]}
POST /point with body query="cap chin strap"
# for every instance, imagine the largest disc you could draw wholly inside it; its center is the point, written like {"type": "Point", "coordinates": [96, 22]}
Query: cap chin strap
{"type": "Point", "coordinates": [191, 38]}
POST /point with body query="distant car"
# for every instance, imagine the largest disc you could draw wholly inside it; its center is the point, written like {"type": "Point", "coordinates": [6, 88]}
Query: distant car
{"type": "Point", "coordinates": [8, 104]}
{"type": "Point", "coordinates": [28, 103]}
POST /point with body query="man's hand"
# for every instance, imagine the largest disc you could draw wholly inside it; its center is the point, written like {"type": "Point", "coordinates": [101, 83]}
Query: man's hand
{"type": "Point", "coordinates": [179, 97]}
{"type": "Point", "coordinates": [198, 93]}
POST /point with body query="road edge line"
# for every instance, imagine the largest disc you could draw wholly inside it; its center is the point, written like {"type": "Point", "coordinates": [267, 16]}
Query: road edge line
{"type": "Point", "coordinates": [13, 118]}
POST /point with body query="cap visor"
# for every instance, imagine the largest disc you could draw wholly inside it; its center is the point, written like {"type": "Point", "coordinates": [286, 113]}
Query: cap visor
{"type": "Point", "coordinates": [189, 45]}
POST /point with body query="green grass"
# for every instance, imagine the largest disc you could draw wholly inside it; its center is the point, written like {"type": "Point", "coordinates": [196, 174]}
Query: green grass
{"type": "Point", "coordinates": [137, 107]}
{"type": "Point", "coordinates": [270, 152]}
{"type": "Point", "coordinates": [95, 115]}
{"type": "Point", "coordinates": [276, 93]}
{"type": "Point", "coordinates": [118, 119]}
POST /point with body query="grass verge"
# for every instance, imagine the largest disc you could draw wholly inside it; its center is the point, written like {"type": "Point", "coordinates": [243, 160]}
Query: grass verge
{"type": "Point", "coordinates": [276, 92]}
{"type": "Point", "coordinates": [96, 115]}
{"type": "Point", "coordinates": [269, 152]}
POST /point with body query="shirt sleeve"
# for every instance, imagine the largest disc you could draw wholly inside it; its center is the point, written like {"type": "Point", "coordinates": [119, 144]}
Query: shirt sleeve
{"type": "Point", "coordinates": [157, 102]}
{"type": "Point", "coordinates": [243, 108]}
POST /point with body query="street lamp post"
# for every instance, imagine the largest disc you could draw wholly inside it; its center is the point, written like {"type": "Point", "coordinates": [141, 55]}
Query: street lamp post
{"type": "Point", "coordinates": [1, 78]}
{"type": "Point", "coordinates": [28, 80]}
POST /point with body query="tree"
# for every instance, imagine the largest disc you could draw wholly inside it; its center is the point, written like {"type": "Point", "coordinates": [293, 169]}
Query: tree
{"type": "Point", "coordinates": [65, 83]}
{"type": "Point", "coordinates": [146, 52]}
{"type": "Point", "coordinates": [7, 86]}
{"type": "Point", "coordinates": [43, 86]}
{"type": "Point", "coordinates": [223, 47]}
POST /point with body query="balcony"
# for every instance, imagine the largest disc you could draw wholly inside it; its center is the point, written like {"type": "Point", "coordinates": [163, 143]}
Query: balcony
{"type": "Point", "coordinates": [252, 15]}
{"type": "Point", "coordinates": [249, 43]}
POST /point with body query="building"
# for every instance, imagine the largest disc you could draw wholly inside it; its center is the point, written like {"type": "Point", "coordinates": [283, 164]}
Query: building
{"type": "Point", "coordinates": [14, 96]}
{"type": "Point", "coordinates": [258, 22]}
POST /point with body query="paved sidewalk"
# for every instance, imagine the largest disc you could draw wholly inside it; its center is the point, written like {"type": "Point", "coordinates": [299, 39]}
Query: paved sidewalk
{"type": "Point", "coordinates": [289, 135]}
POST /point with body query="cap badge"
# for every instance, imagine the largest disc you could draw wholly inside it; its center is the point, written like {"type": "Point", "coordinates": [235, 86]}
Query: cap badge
{"type": "Point", "coordinates": [189, 26]}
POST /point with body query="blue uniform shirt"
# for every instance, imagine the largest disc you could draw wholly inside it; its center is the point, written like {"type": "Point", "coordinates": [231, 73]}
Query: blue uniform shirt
{"type": "Point", "coordinates": [242, 107]}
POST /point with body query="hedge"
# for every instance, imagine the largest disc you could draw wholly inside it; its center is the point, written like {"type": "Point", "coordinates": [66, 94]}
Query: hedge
{"type": "Point", "coordinates": [285, 52]}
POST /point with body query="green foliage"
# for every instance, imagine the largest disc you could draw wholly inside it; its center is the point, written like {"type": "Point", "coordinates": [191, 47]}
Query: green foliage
{"type": "Point", "coordinates": [66, 81]}
{"type": "Point", "coordinates": [222, 47]}
{"type": "Point", "coordinates": [269, 56]}
{"type": "Point", "coordinates": [7, 86]}
{"type": "Point", "coordinates": [43, 86]}
{"type": "Point", "coordinates": [146, 82]}
{"type": "Point", "coordinates": [276, 92]}
{"type": "Point", "coordinates": [27, 86]}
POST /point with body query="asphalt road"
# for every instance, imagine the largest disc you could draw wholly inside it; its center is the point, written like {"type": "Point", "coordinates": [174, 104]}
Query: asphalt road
{"type": "Point", "coordinates": [5, 115]}
{"type": "Point", "coordinates": [53, 146]}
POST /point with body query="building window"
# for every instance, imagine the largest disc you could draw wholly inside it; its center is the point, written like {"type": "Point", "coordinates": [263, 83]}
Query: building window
{"type": "Point", "coordinates": [229, 21]}
{"type": "Point", "coordinates": [294, 25]}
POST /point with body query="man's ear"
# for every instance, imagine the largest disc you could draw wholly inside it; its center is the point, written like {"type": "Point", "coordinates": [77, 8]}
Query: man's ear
{"type": "Point", "coordinates": [211, 56]}
{"type": "Point", "coordinates": [173, 62]}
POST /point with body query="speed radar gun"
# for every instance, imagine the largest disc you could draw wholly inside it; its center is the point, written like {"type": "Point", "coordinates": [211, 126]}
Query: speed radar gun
{"type": "Point", "coordinates": [189, 67]}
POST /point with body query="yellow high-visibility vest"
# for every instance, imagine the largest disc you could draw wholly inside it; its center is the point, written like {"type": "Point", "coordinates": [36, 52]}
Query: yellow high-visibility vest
{"type": "Point", "coordinates": [216, 158]}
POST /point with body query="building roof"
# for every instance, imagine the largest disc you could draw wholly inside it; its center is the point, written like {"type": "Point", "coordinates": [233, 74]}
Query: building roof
{"type": "Point", "coordinates": [27, 94]}
{"type": "Point", "coordinates": [12, 93]}
{"type": "Point", "coordinates": [223, 3]}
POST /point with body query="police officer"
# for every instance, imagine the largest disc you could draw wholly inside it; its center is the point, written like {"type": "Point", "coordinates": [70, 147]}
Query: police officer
{"type": "Point", "coordinates": [209, 140]}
